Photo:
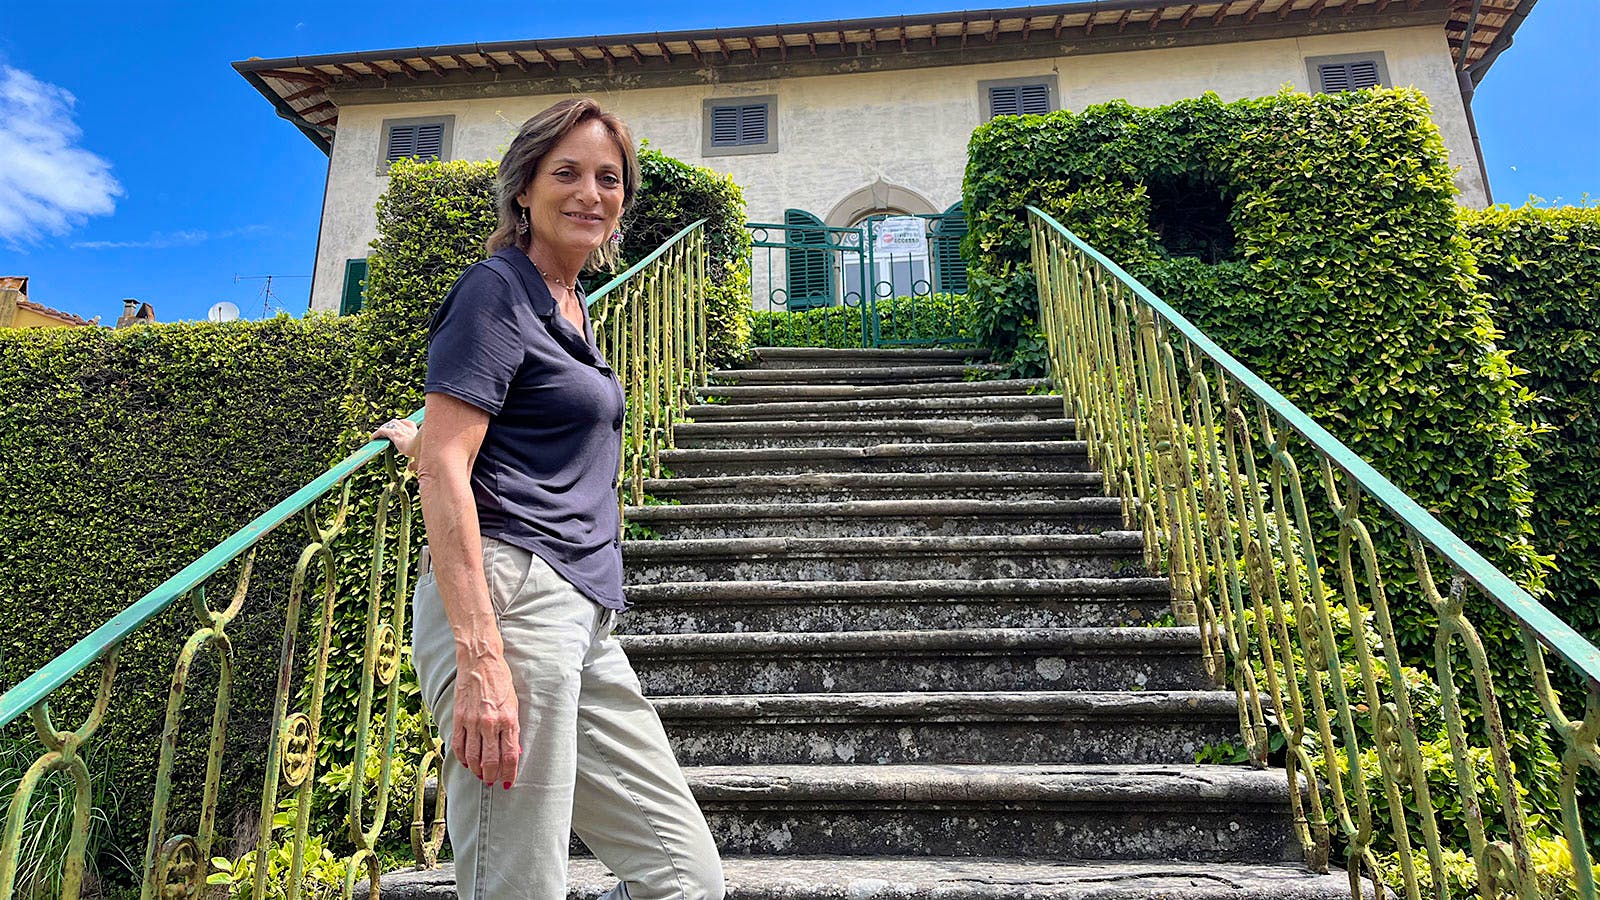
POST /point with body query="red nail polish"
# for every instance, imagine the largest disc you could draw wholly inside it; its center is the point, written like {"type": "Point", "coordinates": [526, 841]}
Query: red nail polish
{"type": "Point", "coordinates": [508, 785]}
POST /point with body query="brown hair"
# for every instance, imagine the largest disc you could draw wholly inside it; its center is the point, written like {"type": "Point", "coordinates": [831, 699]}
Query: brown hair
{"type": "Point", "coordinates": [536, 138]}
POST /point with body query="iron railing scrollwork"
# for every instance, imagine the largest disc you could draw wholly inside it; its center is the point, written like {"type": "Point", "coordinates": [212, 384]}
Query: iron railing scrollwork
{"type": "Point", "coordinates": [1207, 458]}
{"type": "Point", "coordinates": [650, 322]}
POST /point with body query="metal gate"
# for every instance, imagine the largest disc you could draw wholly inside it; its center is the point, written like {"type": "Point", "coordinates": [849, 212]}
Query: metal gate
{"type": "Point", "coordinates": [890, 281]}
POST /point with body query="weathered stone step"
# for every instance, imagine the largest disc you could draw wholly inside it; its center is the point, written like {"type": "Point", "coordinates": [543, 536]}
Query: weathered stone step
{"type": "Point", "coordinates": [949, 727]}
{"type": "Point", "coordinates": [974, 659]}
{"type": "Point", "coordinates": [891, 518]}
{"type": "Point", "coordinates": [830, 433]}
{"type": "Point", "coordinates": [1107, 554]}
{"type": "Point", "coordinates": [1199, 813]}
{"type": "Point", "coordinates": [822, 357]}
{"type": "Point", "coordinates": [965, 456]}
{"type": "Point", "coordinates": [944, 878]}
{"type": "Point", "coordinates": [858, 374]}
{"type": "Point", "coordinates": [914, 605]}
{"type": "Point", "coordinates": [788, 393]}
{"type": "Point", "coordinates": [1021, 407]}
{"type": "Point", "coordinates": [820, 487]}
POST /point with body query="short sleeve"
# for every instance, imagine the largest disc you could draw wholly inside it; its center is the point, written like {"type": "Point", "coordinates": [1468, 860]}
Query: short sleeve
{"type": "Point", "coordinates": [475, 343]}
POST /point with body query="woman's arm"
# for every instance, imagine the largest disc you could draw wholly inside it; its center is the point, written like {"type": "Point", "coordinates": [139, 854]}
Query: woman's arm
{"type": "Point", "coordinates": [485, 735]}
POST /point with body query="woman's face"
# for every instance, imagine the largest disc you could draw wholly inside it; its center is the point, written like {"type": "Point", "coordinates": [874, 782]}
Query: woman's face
{"type": "Point", "coordinates": [575, 198]}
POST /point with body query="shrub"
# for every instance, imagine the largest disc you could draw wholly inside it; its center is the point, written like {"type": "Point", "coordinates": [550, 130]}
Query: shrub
{"type": "Point", "coordinates": [946, 318]}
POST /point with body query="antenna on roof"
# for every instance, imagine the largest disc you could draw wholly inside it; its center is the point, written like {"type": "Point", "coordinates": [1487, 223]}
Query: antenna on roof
{"type": "Point", "coordinates": [269, 301]}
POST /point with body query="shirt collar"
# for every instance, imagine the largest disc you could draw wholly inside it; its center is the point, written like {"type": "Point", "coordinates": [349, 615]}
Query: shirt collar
{"type": "Point", "coordinates": [532, 282]}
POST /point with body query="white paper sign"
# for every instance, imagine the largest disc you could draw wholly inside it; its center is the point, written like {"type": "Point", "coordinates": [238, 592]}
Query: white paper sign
{"type": "Point", "coordinates": [900, 237]}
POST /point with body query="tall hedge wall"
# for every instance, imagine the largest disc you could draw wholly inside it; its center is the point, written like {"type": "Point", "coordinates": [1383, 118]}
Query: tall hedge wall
{"type": "Point", "coordinates": [123, 456]}
{"type": "Point", "coordinates": [1543, 270]}
{"type": "Point", "coordinates": [1318, 240]}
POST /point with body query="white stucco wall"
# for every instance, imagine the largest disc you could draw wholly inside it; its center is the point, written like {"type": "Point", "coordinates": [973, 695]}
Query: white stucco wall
{"type": "Point", "coordinates": [838, 134]}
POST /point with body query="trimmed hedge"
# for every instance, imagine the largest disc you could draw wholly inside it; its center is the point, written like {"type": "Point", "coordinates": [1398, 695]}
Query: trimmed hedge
{"type": "Point", "coordinates": [1317, 239]}
{"type": "Point", "coordinates": [123, 456]}
{"type": "Point", "coordinates": [937, 317]}
{"type": "Point", "coordinates": [1543, 270]}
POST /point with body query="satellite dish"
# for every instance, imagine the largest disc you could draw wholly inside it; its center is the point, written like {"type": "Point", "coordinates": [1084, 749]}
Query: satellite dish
{"type": "Point", "coordinates": [223, 312]}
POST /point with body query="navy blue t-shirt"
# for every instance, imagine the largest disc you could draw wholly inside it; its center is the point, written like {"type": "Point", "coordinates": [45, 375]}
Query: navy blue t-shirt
{"type": "Point", "coordinates": [546, 475]}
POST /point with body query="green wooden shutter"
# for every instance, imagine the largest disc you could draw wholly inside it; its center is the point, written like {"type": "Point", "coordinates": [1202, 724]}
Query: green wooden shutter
{"type": "Point", "coordinates": [810, 272]}
{"type": "Point", "coordinates": [949, 269]}
{"type": "Point", "coordinates": [355, 277]}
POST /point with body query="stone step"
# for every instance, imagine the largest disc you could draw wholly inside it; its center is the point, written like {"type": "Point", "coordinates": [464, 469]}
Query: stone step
{"type": "Point", "coordinates": [1110, 553]}
{"type": "Point", "coordinates": [947, 878]}
{"type": "Point", "coordinates": [916, 605]}
{"type": "Point", "coordinates": [792, 393]}
{"type": "Point", "coordinates": [972, 659]}
{"type": "Point", "coordinates": [949, 727]}
{"type": "Point", "coordinates": [1020, 407]}
{"type": "Point", "coordinates": [821, 357]}
{"type": "Point", "coordinates": [858, 374]}
{"type": "Point", "coordinates": [821, 487]}
{"type": "Point", "coordinates": [965, 456]}
{"type": "Point", "coordinates": [1197, 813]}
{"type": "Point", "coordinates": [889, 518]}
{"type": "Point", "coordinates": [744, 434]}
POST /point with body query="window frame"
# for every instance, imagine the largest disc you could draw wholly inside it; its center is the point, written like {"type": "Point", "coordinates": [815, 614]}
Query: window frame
{"type": "Point", "coordinates": [985, 106]}
{"type": "Point", "coordinates": [445, 139]}
{"type": "Point", "coordinates": [771, 144]}
{"type": "Point", "coordinates": [1314, 66]}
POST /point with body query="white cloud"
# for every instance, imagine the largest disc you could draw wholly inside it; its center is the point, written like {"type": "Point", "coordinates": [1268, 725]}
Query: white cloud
{"type": "Point", "coordinates": [47, 184]}
{"type": "Point", "coordinates": [162, 240]}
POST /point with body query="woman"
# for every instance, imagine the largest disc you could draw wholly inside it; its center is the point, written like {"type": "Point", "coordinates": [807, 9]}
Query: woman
{"type": "Point", "coordinates": [545, 724]}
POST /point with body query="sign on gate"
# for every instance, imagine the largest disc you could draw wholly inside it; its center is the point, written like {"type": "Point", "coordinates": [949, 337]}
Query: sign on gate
{"type": "Point", "coordinates": [900, 237]}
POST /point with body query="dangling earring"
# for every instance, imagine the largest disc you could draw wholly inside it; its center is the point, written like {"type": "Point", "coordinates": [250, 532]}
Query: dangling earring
{"type": "Point", "coordinates": [523, 226]}
{"type": "Point", "coordinates": [616, 238]}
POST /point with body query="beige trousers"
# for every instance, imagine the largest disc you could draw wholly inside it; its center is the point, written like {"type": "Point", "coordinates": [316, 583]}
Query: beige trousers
{"type": "Point", "coordinates": [595, 759]}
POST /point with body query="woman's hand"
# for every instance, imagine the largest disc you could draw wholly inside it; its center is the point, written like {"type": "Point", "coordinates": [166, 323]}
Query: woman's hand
{"type": "Point", "coordinates": [404, 434]}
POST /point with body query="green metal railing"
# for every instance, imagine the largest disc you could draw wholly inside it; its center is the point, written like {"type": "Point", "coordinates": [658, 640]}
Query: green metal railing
{"type": "Point", "coordinates": [650, 321]}
{"type": "Point", "coordinates": [1206, 457]}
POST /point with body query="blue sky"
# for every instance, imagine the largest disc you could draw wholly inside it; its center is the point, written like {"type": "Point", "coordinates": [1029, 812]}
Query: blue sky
{"type": "Point", "coordinates": [179, 178]}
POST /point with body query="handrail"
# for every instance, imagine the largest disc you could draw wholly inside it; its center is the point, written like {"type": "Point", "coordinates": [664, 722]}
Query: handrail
{"type": "Point", "coordinates": [1507, 594]}
{"type": "Point", "coordinates": [1203, 453]}
{"type": "Point", "coordinates": [651, 322]}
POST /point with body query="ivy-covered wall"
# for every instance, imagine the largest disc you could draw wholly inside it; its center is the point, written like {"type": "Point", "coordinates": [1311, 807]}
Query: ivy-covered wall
{"type": "Point", "coordinates": [1542, 267]}
{"type": "Point", "coordinates": [1317, 239]}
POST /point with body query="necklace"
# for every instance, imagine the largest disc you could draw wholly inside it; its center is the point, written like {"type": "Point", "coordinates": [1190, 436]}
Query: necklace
{"type": "Point", "coordinates": [540, 269]}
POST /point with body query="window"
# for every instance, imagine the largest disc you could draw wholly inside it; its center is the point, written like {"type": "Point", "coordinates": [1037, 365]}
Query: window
{"type": "Point", "coordinates": [355, 287]}
{"type": "Point", "coordinates": [423, 138]}
{"type": "Point", "coordinates": [736, 125]}
{"type": "Point", "coordinates": [1018, 97]}
{"type": "Point", "coordinates": [1347, 72]}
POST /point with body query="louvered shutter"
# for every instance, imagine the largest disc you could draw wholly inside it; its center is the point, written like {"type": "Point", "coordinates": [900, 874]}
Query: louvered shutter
{"type": "Point", "coordinates": [809, 272]}
{"type": "Point", "coordinates": [753, 124]}
{"type": "Point", "coordinates": [1350, 76]}
{"type": "Point", "coordinates": [421, 141]}
{"type": "Point", "coordinates": [1034, 99]}
{"type": "Point", "coordinates": [950, 270]}
{"type": "Point", "coordinates": [1004, 101]}
{"type": "Point", "coordinates": [724, 126]}
{"type": "Point", "coordinates": [355, 277]}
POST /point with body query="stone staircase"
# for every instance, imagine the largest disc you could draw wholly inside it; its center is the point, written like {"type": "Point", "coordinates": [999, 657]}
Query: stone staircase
{"type": "Point", "coordinates": [905, 650]}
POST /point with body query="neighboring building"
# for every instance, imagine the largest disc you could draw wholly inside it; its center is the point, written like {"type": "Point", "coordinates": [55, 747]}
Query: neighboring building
{"type": "Point", "coordinates": [136, 313]}
{"type": "Point", "coordinates": [16, 311]}
{"type": "Point", "coordinates": [837, 121]}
